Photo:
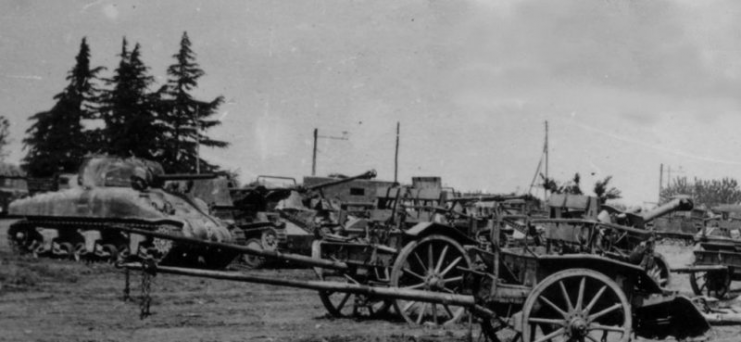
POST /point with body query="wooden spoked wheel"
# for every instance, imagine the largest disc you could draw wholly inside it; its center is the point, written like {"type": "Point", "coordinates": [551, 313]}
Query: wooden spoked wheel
{"type": "Point", "coordinates": [659, 271]}
{"type": "Point", "coordinates": [711, 283]}
{"type": "Point", "coordinates": [576, 305]}
{"type": "Point", "coordinates": [343, 304]}
{"type": "Point", "coordinates": [431, 264]}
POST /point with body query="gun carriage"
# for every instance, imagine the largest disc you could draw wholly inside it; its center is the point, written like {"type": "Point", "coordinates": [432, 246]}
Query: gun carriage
{"type": "Point", "coordinates": [560, 283]}
{"type": "Point", "coordinates": [717, 255]}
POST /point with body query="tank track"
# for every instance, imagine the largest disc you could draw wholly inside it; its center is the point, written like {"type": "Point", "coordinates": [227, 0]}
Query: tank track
{"type": "Point", "coordinates": [161, 250]}
{"type": "Point", "coordinates": [23, 238]}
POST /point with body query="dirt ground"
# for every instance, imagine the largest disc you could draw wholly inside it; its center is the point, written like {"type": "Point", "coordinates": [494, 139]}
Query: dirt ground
{"type": "Point", "coordinates": [58, 300]}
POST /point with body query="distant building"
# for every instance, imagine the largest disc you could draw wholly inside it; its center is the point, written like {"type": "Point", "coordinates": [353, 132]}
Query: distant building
{"type": "Point", "coordinates": [356, 191]}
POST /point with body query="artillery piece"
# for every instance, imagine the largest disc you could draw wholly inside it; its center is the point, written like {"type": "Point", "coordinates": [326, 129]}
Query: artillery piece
{"type": "Point", "coordinates": [621, 235]}
{"type": "Point", "coordinates": [539, 292]}
{"type": "Point", "coordinates": [284, 218]}
{"type": "Point", "coordinates": [116, 192]}
{"type": "Point", "coordinates": [717, 254]}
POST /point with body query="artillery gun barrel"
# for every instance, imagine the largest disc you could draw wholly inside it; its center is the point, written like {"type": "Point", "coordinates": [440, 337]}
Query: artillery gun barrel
{"type": "Point", "coordinates": [488, 198]}
{"type": "Point", "coordinates": [382, 292]}
{"type": "Point", "coordinates": [297, 258]}
{"type": "Point", "coordinates": [186, 176]}
{"type": "Point", "coordinates": [367, 175]}
{"type": "Point", "coordinates": [677, 204]}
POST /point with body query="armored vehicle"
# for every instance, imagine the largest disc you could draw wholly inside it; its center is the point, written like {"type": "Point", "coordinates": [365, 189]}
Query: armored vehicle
{"type": "Point", "coordinates": [272, 213]}
{"type": "Point", "coordinates": [286, 217]}
{"type": "Point", "coordinates": [111, 193]}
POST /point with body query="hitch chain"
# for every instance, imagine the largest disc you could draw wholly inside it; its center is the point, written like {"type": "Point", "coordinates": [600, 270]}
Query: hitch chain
{"type": "Point", "coordinates": [149, 271]}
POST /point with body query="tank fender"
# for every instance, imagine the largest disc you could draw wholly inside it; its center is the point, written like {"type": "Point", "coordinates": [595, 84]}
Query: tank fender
{"type": "Point", "coordinates": [423, 229]}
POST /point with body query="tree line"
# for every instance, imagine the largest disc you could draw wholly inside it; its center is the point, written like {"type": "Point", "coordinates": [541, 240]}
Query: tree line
{"type": "Point", "coordinates": [709, 192]}
{"type": "Point", "coordinates": [601, 189]}
{"type": "Point", "coordinates": [124, 115]}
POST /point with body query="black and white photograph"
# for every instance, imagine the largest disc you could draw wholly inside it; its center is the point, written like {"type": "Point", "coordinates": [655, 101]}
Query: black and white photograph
{"type": "Point", "coordinates": [370, 170]}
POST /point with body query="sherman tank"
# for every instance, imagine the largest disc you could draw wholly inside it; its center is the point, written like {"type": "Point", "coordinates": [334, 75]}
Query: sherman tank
{"type": "Point", "coordinates": [88, 219]}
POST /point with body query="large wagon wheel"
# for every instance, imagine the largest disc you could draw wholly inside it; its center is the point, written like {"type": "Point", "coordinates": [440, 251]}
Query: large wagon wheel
{"type": "Point", "coordinates": [432, 264]}
{"type": "Point", "coordinates": [596, 309]}
{"type": "Point", "coordinates": [343, 304]}
{"type": "Point", "coordinates": [711, 283]}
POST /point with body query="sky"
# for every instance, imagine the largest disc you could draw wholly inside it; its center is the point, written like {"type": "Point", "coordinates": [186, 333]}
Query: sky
{"type": "Point", "coordinates": [624, 85]}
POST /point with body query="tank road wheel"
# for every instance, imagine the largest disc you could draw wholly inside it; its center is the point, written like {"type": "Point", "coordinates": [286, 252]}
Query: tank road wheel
{"type": "Point", "coordinates": [66, 249]}
{"type": "Point", "coordinates": [80, 251]}
{"type": "Point", "coordinates": [342, 304]}
{"type": "Point", "coordinates": [660, 271]}
{"type": "Point", "coordinates": [714, 283]}
{"type": "Point", "coordinates": [23, 238]}
{"type": "Point", "coordinates": [109, 252]}
{"type": "Point", "coordinates": [253, 261]}
{"type": "Point", "coordinates": [269, 240]}
{"type": "Point", "coordinates": [576, 305]}
{"type": "Point", "coordinates": [430, 264]}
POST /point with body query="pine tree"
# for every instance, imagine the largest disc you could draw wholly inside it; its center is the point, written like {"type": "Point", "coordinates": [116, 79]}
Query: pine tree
{"type": "Point", "coordinates": [4, 137]}
{"type": "Point", "coordinates": [57, 140]}
{"type": "Point", "coordinates": [186, 118]}
{"type": "Point", "coordinates": [129, 109]}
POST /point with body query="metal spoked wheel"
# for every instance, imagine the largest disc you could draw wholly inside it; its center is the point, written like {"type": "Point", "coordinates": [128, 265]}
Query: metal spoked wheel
{"type": "Point", "coordinates": [712, 283]}
{"type": "Point", "coordinates": [432, 264]}
{"type": "Point", "coordinates": [342, 304]}
{"type": "Point", "coordinates": [659, 271]}
{"type": "Point", "coordinates": [269, 240]}
{"type": "Point", "coordinates": [576, 305]}
{"type": "Point", "coordinates": [253, 261]}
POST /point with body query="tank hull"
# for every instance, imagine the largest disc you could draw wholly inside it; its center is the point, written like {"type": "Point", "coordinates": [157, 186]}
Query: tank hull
{"type": "Point", "coordinates": [80, 222]}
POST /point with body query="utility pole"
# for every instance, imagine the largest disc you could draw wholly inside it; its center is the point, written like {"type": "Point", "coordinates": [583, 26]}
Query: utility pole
{"type": "Point", "coordinates": [316, 137]}
{"type": "Point", "coordinates": [669, 175]}
{"type": "Point", "coordinates": [545, 150]}
{"type": "Point", "coordinates": [396, 154]}
{"type": "Point", "coordinates": [661, 180]}
{"type": "Point", "coordinates": [313, 159]}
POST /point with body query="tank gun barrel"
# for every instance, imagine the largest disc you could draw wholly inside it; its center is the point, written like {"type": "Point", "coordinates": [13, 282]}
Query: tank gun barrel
{"type": "Point", "coordinates": [366, 175]}
{"type": "Point", "coordinates": [677, 204]}
{"type": "Point", "coordinates": [186, 176]}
